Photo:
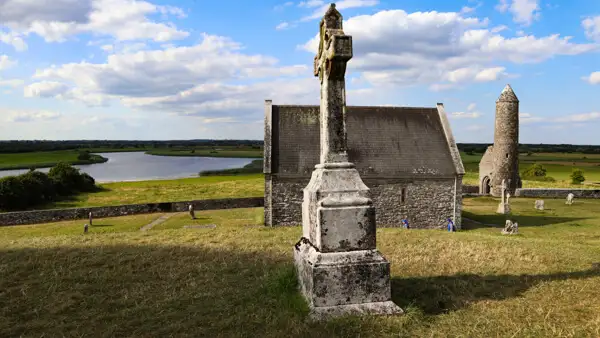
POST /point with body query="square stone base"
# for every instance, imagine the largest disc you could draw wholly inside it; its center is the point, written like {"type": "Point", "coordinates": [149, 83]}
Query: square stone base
{"type": "Point", "coordinates": [344, 283]}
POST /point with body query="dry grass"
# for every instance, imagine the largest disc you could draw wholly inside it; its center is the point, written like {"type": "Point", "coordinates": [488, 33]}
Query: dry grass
{"type": "Point", "coordinates": [238, 281]}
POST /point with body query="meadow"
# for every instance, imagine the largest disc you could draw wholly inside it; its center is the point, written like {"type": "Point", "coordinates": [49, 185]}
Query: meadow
{"type": "Point", "coordinates": [209, 152]}
{"type": "Point", "coordinates": [205, 187]}
{"type": "Point", "coordinates": [558, 165]}
{"type": "Point", "coordinates": [237, 279]}
{"type": "Point", "coordinates": [44, 159]}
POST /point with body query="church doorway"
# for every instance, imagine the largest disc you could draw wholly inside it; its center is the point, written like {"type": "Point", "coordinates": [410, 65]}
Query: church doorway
{"type": "Point", "coordinates": [485, 186]}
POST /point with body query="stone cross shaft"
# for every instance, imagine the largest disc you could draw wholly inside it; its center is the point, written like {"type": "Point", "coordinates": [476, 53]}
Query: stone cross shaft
{"type": "Point", "coordinates": [335, 50]}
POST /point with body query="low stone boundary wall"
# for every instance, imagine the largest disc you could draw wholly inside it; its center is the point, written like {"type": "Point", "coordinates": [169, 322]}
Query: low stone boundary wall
{"type": "Point", "coordinates": [470, 189]}
{"type": "Point", "coordinates": [557, 192]}
{"type": "Point", "coordinates": [54, 215]}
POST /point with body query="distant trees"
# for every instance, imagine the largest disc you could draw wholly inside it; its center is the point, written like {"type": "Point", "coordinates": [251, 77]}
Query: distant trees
{"type": "Point", "coordinates": [536, 172]}
{"type": "Point", "coordinates": [36, 188]}
{"type": "Point", "coordinates": [577, 176]}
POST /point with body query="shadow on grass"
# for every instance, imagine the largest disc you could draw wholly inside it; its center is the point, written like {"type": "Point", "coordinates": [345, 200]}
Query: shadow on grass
{"type": "Point", "coordinates": [155, 291]}
{"type": "Point", "coordinates": [442, 294]}
{"type": "Point", "coordinates": [498, 220]}
{"type": "Point", "coordinates": [101, 225]}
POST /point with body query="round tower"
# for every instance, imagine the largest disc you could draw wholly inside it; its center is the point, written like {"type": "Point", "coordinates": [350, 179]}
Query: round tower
{"type": "Point", "coordinates": [506, 143]}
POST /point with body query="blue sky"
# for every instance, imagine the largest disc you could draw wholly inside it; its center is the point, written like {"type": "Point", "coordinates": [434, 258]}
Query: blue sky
{"type": "Point", "coordinates": [158, 69]}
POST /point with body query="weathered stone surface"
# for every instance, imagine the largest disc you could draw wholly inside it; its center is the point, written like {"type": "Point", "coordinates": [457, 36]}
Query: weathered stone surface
{"type": "Point", "coordinates": [557, 192]}
{"type": "Point", "coordinates": [426, 202]}
{"type": "Point", "coordinates": [339, 269]}
{"type": "Point", "coordinates": [539, 204]}
{"type": "Point", "coordinates": [338, 283]}
{"type": "Point", "coordinates": [501, 162]}
{"type": "Point", "coordinates": [55, 215]}
{"type": "Point", "coordinates": [390, 146]}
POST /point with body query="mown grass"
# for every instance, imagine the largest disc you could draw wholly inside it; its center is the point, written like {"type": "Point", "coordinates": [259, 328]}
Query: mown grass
{"type": "Point", "coordinates": [44, 159]}
{"type": "Point", "coordinates": [238, 281]}
{"type": "Point", "coordinates": [155, 191]}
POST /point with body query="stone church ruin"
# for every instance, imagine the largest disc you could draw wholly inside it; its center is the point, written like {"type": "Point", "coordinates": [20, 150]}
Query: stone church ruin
{"type": "Point", "coordinates": [501, 160]}
{"type": "Point", "coordinates": [407, 157]}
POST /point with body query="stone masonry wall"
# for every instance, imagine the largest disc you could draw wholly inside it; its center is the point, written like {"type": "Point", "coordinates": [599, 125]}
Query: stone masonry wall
{"type": "Point", "coordinates": [428, 203]}
{"type": "Point", "coordinates": [54, 215]}
{"type": "Point", "coordinates": [557, 193]}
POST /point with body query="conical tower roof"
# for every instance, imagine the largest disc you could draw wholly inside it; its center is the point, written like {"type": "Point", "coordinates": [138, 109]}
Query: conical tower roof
{"type": "Point", "coordinates": [507, 95]}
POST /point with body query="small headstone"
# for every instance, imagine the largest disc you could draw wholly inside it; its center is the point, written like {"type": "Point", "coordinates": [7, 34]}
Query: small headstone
{"type": "Point", "coordinates": [451, 227]}
{"type": "Point", "coordinates": [192, 214]}
{"type": "Point", "coordinates": [201, 226]}
{"type": "Point", "coordinates": [539, 204]}
{"type": "Point", "coordinates": [85, 228]}
{"type": "Point", "coordinates": [570, 198]}
{"type": "Point", "coordinates": [91, 218]}
{"type": "Point", "coordinates": [510, 228]}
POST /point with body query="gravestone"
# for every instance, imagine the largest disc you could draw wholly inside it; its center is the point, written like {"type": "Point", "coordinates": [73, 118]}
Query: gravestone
{"type": "Point", "coordinates": [85, 228]}
{"type": "Point", "coordinates": [339, 268]}
{"type": "Point", "coordinates": [539, 204]}
{"type": "Point", "coordinates": [570, 198]}
{"type": "Point", "coordinates": [192, 213]}
{"type": "Point", "coordinates": [510, 228]}
{"type": "Point", "coordinates": [503, 206]}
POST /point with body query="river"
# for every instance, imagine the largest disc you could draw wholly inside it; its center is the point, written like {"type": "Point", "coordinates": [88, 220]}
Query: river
{"type": "Point", "coordinates": [138, 166]}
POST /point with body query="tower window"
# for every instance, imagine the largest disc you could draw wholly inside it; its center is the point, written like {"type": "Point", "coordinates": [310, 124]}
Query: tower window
{"type": "Point", "coordinates": [403, 195]}
{"type": "Point", "coordinates": [506, 155]}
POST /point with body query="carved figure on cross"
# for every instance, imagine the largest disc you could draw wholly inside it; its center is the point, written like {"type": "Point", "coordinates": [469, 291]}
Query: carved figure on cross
{"type": "Point", "coordinates": [335, 50]}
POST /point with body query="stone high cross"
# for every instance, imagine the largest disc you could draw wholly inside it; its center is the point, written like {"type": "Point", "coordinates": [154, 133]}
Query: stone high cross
{"type": "Point", "coordinates": [339, 267]}
{"type": "Point", "coordinates": [335, 50]}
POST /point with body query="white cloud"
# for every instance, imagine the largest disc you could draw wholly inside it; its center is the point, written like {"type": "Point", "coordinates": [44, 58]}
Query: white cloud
{"type": "Point", "coordinates": [442, 50]}
{"type": "Point", "coordinates": [579, 117]}
{"type": "Point", "coordinates": [311, 3]}
{"type": "Point", "coordinates": [13, 39]}
{"type": "Point", "coordinates": [593, 78]}
{"type": "Point", "coordinates": [282, 6]}
{"type": "Point", "coordinates": [199, 80]}
{"type": "Point", "coordinates": [471, 113]}
{"type": "Point", "coordinates": [5, 62]}
{"type": "Point", "coordinates": [465, 115]}
{"type": "Point", "coordinates": [339, 5]}
{"type": "Point", "coordinates": [122, 19]}
{"type": "Point", "coordinates": [13, 115]}
{"type": "Point", "coordinates": [45, 89]}
{"type": "Point", "coordinates": [525, 118]}
{"type": "Point", "coordinates": [523, 11]}
{"type": "Point", "coordinates": [591, 25]}
{"type": "Point", "coordinates": [11, 83]}
{"type": "Point", "coordinates": [283, 25]}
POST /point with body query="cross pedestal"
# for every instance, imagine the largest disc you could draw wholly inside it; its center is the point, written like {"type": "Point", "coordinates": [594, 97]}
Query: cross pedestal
{"type": "Point", "coordinates": [339, 268]}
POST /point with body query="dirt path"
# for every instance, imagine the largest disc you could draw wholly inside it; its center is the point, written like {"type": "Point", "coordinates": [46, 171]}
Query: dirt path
{"type": "Point", "coordinates": [157, 221]}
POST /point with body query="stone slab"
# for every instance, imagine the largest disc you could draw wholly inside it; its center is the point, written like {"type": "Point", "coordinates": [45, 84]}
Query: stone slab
{"type": "Point", "coordinates": [340, 283]}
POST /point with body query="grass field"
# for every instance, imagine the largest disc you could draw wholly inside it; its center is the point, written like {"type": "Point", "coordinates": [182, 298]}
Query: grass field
{"type": "Point", "coordinates": [43, 159]}
{"type": "Point", "coordinates": [184, 189]}
{"type": "Point", "coordinates": [242, 153]}
{"type": "Point", "coordinates": [558, 165]}
{"type": "Point", "coordinates": [237, 280]}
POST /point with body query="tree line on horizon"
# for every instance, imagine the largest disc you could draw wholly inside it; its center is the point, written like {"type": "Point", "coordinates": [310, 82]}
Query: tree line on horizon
{"type": "Point", "coordinates": [23, 146]}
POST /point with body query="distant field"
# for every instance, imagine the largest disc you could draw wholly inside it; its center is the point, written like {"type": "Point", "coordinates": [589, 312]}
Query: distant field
{"type": "Point", "coordinates": [43, 159]}
{"type": "Point", "coordinates": [245, 153]}
{"type": "Point", "coordinates": [558, 165]}
{"type": "Point", "coordinates": [209, 187]}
